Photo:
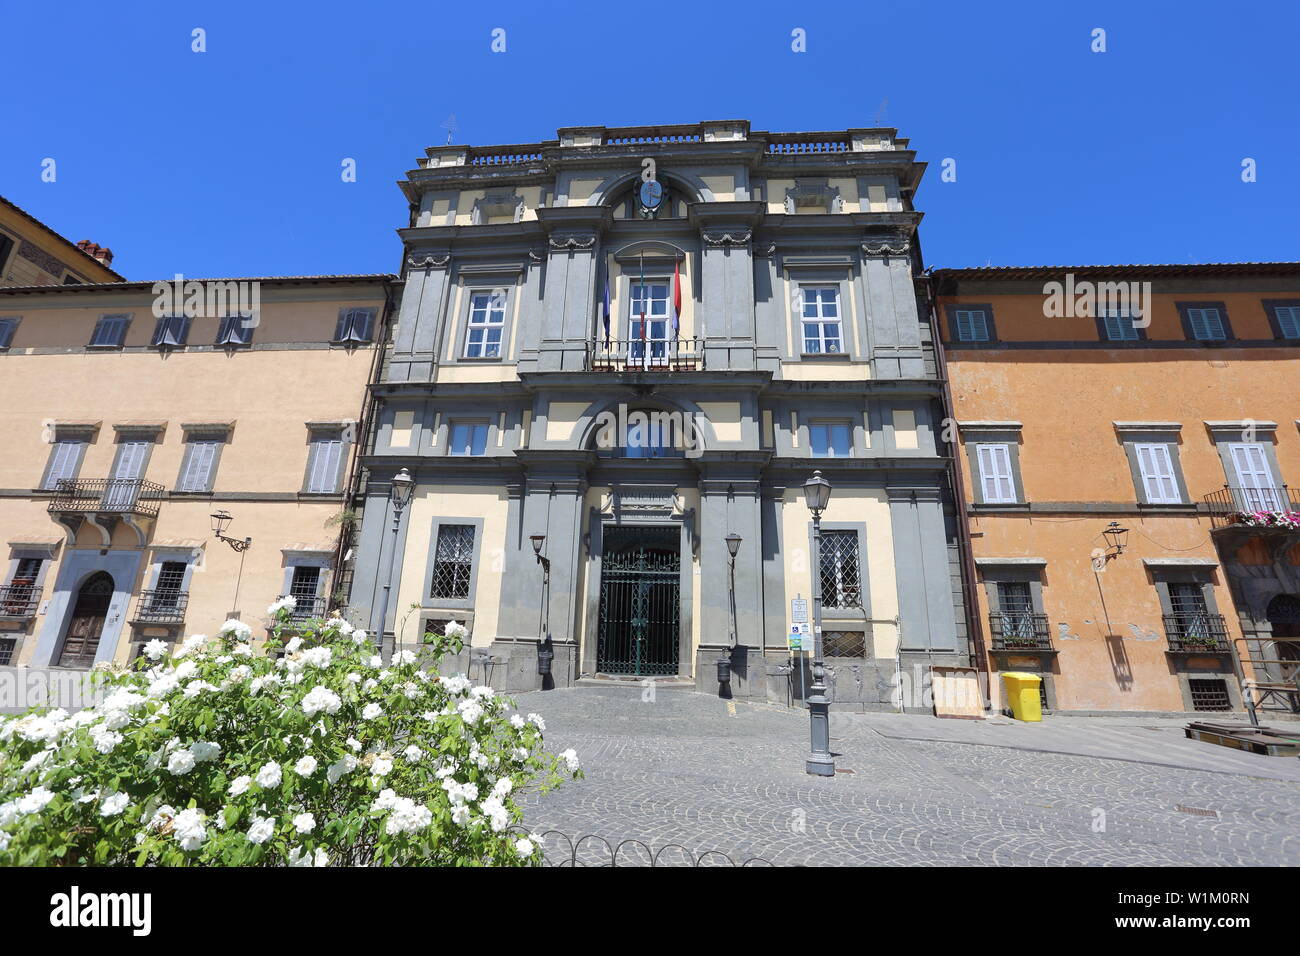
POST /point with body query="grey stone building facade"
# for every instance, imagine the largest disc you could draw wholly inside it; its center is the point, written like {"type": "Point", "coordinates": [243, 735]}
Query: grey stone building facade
{"type": "Point", "coordinates": [637, 342]}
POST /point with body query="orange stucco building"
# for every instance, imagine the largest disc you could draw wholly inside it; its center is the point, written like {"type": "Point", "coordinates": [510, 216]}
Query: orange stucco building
{"type": "Point", "coordinates": [1162, 399]}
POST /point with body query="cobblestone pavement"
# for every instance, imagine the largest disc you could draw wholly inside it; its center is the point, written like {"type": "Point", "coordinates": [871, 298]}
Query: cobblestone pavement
{"type": "Point", "coordinates": [684, 770]}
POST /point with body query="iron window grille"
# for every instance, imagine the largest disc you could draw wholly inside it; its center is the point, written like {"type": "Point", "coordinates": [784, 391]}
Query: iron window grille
{"type": "Point", "coordinates": [1191, 626]}
{"type": "Point", "coordinates": [822, 330]}
{"type": "Point", "coordinates": [844, 643]}
{"type": "Point", "coordinates": [7, 326]}
{"type": "Point", "coordinates": [1209, 694]}
{"type": "Point", "coordinates": [235, 330]}
{"type": "Point", "coordinates": [7, 651]}
{"type": "Point", "coordinates": [304, 588]}
{"type": "Point", "coordinates": [487, 322]}
{"type": "Point", "coordinates": [1016, 624]}
{"type": "Point", "coordinates": [452, 560]}
{"type": "Point", "coordinates": [110, 331]}
{"type": "Point", "coordinates": [840, 571]}
{"type": "Point", "coordinates": [355, 325]}
{"type": "Point", "coordinates": [171, 332]}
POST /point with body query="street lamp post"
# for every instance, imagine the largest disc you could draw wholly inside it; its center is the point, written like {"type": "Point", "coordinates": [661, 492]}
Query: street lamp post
{"type": "Point", "coordinates": [724, 662]}
{"type": "Point", "coordinates": [399, 494]}
{"type": "Point", "coordinates": [220, 521]}
{"type": "Point", "coordinates": [545, 652]}
{"type": "Point", "coordinates": [817, 494]}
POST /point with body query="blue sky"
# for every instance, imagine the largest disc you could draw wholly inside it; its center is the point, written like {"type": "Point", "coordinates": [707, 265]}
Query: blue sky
{"type": "Point", "coordinates": [227, 162]}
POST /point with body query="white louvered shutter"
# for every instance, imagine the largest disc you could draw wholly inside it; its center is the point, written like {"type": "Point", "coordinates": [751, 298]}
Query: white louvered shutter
{"type": "Point", "coordinates": [1255, 479]}
{"type": "Point", "coordinates": [63, 462]}
{"type": "Point", "coordinates": [198, 466]}
{"type": "Point", "coordinates": [995, 474]}
{"type": "Point", "coordinates": [1157, 469]}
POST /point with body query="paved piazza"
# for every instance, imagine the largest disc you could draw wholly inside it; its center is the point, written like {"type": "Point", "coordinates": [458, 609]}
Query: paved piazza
{"type": "Point", "coordinates": [690, 770]}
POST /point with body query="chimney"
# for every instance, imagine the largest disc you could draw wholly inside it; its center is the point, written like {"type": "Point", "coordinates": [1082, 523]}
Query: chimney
{"type": "Point", "coordinates": [103, 254]}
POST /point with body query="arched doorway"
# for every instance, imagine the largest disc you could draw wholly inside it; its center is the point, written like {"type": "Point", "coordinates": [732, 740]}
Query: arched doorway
{"type": "Point", "coordinates": [81, 642]}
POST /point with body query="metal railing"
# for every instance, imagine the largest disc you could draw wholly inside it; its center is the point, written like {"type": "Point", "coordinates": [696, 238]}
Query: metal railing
{"type": "Point", "coordinates": [1254, 508]}
{"type": "Point", "coordinates": [1015, 631]}
{"type": "Point", "coordinates": [503, 155]}
{"type": "Point", "coordinates": [641, 355]}
{"type": "Point", "coordinates": [1196, 632]}
{"type": "Point", "coordinates": [162, 606]}
{"type": "Point", "coordinates": [107, 496]}
{"type": "Point", "coordinates": [18, 602]}
{"type": "Point", "coordinates": [308, 608]}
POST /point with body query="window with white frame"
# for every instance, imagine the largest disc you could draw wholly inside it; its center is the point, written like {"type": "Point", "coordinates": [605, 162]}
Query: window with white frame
{"type": "Point", "coordinates": [1156, 468]}
{"type": "Point", "coordinates": [996, 477]}
{"type": "Point", "coordinates": [468, 438]}
{"type": "Point", "coordinates": [649, 321]}
{"type": "Point", "coordinates": [487, 322]}
{"type": "Point", "coordinates": [830, 439]}
{"type": "Point", "coordinates": [325, 461]}
{"type": "Point", "coordinates": [823, 332]}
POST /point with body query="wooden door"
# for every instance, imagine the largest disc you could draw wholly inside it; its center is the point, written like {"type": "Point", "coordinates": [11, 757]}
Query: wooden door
{"type": "Point", "coordinates": [82, 640]}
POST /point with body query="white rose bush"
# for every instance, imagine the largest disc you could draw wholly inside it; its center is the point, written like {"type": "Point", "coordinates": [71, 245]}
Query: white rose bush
{"type": "Point", "coordinates": [307, 751]}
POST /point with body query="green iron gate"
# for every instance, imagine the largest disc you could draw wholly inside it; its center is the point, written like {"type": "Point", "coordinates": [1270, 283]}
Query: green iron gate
{"type": "Point", "coordinates": [640, 601]}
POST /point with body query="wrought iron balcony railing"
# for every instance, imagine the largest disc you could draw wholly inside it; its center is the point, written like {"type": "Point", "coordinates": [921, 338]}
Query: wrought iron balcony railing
{"type": "Point", "coordinates": [1196, 632]}
{"type": "Point", "coordinates": [1017, 631]}
{"type": "Point", "coordinates": [18, 602]}
{"type": "Point", "coordinates": [1254, 508]}
{"type": "Point", "coordinates": [162, 606]}
{"type": "Point", "coordinates": [308, 608]}
{"type": "Point", "coordinates": [133, 496]}
{"type": "Point", "coordinates": [639, 355]}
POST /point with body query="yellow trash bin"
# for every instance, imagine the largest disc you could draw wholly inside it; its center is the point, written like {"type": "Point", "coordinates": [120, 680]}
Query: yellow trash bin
{"type": "Point", "coordinates": [1022, 695]}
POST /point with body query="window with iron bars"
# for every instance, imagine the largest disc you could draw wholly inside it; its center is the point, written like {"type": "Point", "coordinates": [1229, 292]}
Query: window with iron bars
{"type": "Point", "coordinates": [1209, 694]}
{"type": "Point", "coordinates": [1191, 614]}
{"type": "Point", "coordinates": [841, 575]}
{"type": "Point", "coordinates": [1016, 602]}
{"type": "Point", "coordinates": [452, 559]}
{"type": "Point", "coordinates": [844, 643]}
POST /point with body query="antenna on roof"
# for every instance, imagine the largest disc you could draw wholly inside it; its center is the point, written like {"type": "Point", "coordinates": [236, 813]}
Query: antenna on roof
{"type": "Point", "coordinates": [880, 111]}
{"type": "Point", "coordinates": [450, 127]}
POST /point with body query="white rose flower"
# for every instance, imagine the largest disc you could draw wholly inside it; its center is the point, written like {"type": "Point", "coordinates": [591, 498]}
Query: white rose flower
{"type": "Point", "coordinates": [517, 721]}
{"type": "Point", "coordinates": [114, 804]}
{"type": "Point", "coordinates": [371, 711]}
{"type": "Point", "coordinates": [304, 823]}
{"type": "Point", "coordinates": [236, 630]}
{"type": "Point", "coordinates": [536, 721]}
{"type": "Point", "coordinates": [301, 857]}
{"type": "Point", "coordinates": [243, 650]}
{"type": "Point", "coordinates": [289, 603]}
{"type": "Point", "coordinates": [413, 753]}
{"type": "Point", "coordinates": [321, 698]}
{"type": "Point", "coordinates": [155, 649]}
{"type": "Point", "coordinates": [189, 829]}
{"type": "Point", "coordinates": [180, 762]}
{"type": "Point", "coordinates": [270, 775]}
{"type": "Point", "coordinates": [263, 829]}
{"type": "Point", "coordinates": [293, 645]}
{"type": "Point", "coordinates": [524, 847]}
{"type": "Point", "coordinates": [570, 757]}
{"type": "Point", "coordinates": [381, 766]}
{"type": "Point", "coordinates": [240, 785]}
{"type": "Point", "coordinates": [306, 766]}
{"type": "Point", "coordinates": [204, 751]}
{"type": "Point", "coordinates": [317, 657]}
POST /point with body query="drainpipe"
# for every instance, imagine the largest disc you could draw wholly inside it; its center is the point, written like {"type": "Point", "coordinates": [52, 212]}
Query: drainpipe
{"type": "Point", "coordinates": [365, 422]}
{"type": "Point", "coordinates": [980, 656]}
